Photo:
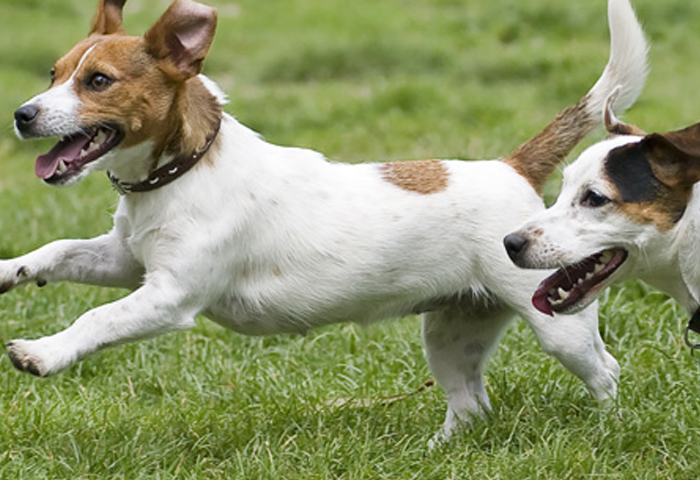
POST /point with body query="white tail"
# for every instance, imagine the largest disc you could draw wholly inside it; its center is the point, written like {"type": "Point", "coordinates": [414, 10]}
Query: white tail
{"type": "Point", "coordinates": [537, 158]}
{"type": "Point", "coordinates": [627, 66]}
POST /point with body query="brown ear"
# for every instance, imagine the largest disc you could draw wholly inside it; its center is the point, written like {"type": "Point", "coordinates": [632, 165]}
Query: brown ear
{"type": "Point", "coordinates": [181, 38]}
{"type": "Point", "coordinates": [675, 156]}
{"type": "Point", "coordinates": [612, 124]}
{"type": "Point", "coordinates": [108, 19]}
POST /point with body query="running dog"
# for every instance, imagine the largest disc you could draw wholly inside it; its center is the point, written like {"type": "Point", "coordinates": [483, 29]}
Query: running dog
{"type": "Point", "coordinates": [266, 239]}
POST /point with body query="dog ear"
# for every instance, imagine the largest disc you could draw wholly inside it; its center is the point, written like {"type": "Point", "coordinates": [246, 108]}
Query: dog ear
{"type": "Point", "coordinates": [612, 124]}
{"type": "Point", "coordinates": [674, 157]}
{"type": "Point", "coordinates": [181, 38]}
{"type": "Point", "coordinates": [108, 18]}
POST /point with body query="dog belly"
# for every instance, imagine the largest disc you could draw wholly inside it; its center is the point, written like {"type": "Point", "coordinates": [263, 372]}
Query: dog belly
{"type": "Point", "coordinates": [298, 314]}
{"type": "Point", "coordinates": [250, 321]}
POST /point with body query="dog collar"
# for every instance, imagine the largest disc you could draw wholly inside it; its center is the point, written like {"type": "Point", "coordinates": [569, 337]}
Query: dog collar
{"type": "Point", "coordinates": [693, 326]}
{"type": "Point", "coordinates": [168, 172]}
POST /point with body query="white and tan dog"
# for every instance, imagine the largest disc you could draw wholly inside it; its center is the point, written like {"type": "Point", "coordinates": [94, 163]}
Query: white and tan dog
{"type": "Point", "coordinates": [629, 207]}
{"type": "Point", "coordinates": [265, 239]}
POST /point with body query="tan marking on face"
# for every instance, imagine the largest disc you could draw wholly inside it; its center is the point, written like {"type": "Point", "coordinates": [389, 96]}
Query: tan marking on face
{"type": "Point", "coordinates": [422, 176]}
{"type": "Point", "coordinates": [650, 213]}
{"type": "Point", "coordinates": [146, 103]}
{"type": "Point", "coordinates": [663, 211]}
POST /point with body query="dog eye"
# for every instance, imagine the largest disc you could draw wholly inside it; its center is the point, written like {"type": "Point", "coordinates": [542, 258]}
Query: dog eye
{"type": "Point", "coordinates": [99, 82]}
{"type": "Point", "coordinates": [594, 199]}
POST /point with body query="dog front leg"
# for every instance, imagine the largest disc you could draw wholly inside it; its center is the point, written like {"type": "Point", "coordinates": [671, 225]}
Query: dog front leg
{"type": "Point", "coordinates": [103, 260]}
{"type": "Point", "coordinates": [153, 309]}
{"type": "Point", "coordinates": [575, 341]}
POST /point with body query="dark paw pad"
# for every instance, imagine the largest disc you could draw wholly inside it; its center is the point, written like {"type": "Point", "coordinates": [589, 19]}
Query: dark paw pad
{"type": "Point", "coordinates": [22, 362]}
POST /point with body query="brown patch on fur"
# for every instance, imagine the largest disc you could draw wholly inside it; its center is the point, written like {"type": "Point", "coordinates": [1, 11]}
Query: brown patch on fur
{"type": "Point", "coordinates": [537, 158]}
{"type": "Point", "coordinates": [613, 125]}
{"type": "Point", "coordinates": [181, 38]}
{"type": "Point", "coordinates": [619, 128]}
{"type": "Point", "coordinates": [108, 18]}
{"type": "Point", "coordinates": [675, 156]}
{"type": "Point", "coordinates": [421, 176]}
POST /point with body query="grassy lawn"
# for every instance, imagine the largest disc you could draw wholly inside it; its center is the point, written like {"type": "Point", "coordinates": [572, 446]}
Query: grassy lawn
{"type": "Point", "coordinates": [362, 80]}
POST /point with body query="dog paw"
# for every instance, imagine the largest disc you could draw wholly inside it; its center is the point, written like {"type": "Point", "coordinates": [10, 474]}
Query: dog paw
{"type": "Point", "coordinates": [440, 438]}
{"type": "Point", "coordinates": [13, 277]}
{"type": "Point", "coordinates": [38, 357]}
{"type": "Point", "coordinates": [25, 359]}
{"type": "Point", "coordinates": [604, 385]}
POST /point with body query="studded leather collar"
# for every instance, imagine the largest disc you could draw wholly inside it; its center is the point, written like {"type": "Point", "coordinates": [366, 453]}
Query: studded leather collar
{"type": "Point", "coordinates": [168, 172]}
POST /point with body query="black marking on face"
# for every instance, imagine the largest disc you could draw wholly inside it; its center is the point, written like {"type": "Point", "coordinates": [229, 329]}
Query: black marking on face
{"type": "Point", "coordinates": [629, 170]}
{"type": "Point", "coordinates": [641, 195]}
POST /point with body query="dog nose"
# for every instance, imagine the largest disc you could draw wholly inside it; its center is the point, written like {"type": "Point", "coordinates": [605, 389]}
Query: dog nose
{"type": "Point", "coordinates": [25, 115]}
{"type": "Point", "coordinates": [514, 244]}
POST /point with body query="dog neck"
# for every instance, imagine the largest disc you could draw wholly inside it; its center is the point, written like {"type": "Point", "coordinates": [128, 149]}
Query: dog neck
{"type": "Point", "coordinates": [167, 173]}
{"type": "Point", "coordinates": [185, 136]}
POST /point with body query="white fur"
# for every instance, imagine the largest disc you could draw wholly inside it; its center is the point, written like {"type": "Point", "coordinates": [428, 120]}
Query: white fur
{"type": "Point", "coordinates": [627, 67]}
{"type": "Point", "coordinates": [214, 89]}
{"type": "Point", "coordinates": [59, 107]}
{"type": "Point", "coordinates": [265, 239]}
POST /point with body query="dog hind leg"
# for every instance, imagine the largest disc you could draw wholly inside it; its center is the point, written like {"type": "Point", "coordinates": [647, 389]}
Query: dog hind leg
{"type": "Point", "coordinates": [458, 341]}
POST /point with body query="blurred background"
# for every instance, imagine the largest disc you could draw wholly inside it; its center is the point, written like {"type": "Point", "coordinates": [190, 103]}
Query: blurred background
{"type": "Point", "coordinates": [362, 80]}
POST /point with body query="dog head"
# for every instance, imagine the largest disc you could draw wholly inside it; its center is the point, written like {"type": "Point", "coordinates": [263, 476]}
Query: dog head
{"type": "Point", "coordinates": [618, 215]}
{"type": "Point", "coordinates": [112, 94]}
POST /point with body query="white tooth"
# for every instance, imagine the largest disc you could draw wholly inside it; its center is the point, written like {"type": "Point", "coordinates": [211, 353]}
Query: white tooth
{"type": "Point", "coordinates": [563, 294]}
{"type": "Point", "coordinates": [598, 267]}
{"type": "Point", "coordinates": [100, 137]}
{"type": "Point", "coordinates": [589, 275]}
{"type": "Point", "coordinates": [61, 167]}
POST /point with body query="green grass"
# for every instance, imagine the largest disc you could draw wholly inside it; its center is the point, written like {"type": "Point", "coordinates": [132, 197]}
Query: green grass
{"type": "Point", "coordinates": [363, 80]}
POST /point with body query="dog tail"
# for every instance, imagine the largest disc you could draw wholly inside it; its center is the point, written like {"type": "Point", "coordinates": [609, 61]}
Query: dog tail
{"type": "Point", "coordinates": [537, 158]}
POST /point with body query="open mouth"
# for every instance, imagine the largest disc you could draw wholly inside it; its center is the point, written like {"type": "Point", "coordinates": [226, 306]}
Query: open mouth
{"type": "Point", "coordinates": [73, 152]}
{"type": "Point", "coordinates": [571, 288]}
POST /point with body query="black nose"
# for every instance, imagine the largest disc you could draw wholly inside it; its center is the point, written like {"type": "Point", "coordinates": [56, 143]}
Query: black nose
{"type": "Point", "coordinates": [514, 244]}
{"type": "Point", "coordinates": [25, 115]}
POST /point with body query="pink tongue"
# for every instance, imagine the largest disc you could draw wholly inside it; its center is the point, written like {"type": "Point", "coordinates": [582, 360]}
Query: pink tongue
{"type": "Point", "coordinates": [66, 150]}
{"type": "Point", "coordinates": [541, 303]}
